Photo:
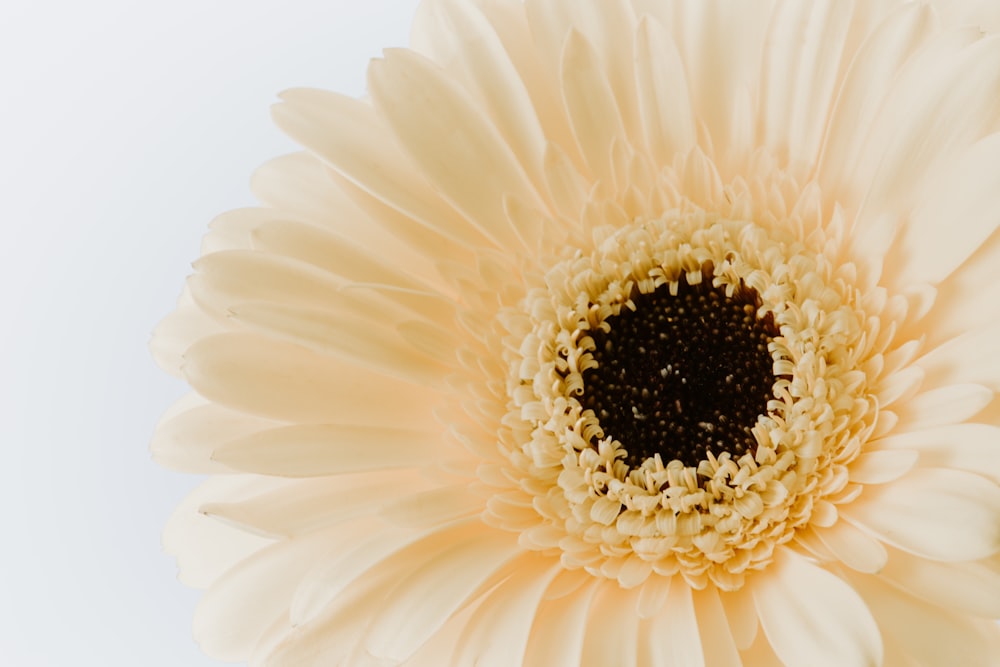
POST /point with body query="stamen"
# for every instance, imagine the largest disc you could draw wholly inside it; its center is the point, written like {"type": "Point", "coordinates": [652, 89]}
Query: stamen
{"type": "Point", "coordinates": [683, 376]}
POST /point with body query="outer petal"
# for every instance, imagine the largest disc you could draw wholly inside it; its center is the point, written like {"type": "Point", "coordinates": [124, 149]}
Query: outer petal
{"type": "Point", "coordinates": [939, 514]}
{"type": "Point", "coordinates": [812, 617]}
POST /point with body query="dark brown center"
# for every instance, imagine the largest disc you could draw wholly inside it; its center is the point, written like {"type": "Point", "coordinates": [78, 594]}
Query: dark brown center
{"type": "Point", "coordinates": [683, 375]}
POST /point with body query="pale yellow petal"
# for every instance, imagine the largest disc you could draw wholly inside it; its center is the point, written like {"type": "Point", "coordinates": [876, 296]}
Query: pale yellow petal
{"type": "Point", "coordinates": [812, 617]}
{"type": "Point", "coordinates": [286, 382]}
{"type": "Point", "coordinates": [917, 513]}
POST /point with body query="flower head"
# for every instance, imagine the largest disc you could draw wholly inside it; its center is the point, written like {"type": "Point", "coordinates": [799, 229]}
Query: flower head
{"type": "Point", "coordinates": [652, 333]}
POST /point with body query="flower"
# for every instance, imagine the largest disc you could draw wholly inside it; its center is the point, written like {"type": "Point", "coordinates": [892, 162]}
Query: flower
{"type": "Point", "coordinates": [609, 333]}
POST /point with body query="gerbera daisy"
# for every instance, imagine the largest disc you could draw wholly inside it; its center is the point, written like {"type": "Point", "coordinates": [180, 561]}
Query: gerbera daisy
{"type": "Point", "coordinates": [609, 333]}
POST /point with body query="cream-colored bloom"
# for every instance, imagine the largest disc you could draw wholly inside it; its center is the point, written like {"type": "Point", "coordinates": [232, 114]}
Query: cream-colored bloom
{"type": "Point", "coordinates": [610, 333]}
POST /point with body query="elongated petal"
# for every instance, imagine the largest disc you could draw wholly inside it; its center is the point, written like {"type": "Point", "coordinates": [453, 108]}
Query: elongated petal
{"type": "Point", "coordinates": [448, 137]}
{"type": "Point", "coordinates": [286, 382]}
{"type": "Point", "coordinates": [969, 447]}
{"type": "Point", "coordinates": [812, 617]}
{"type": "Point", "coordinates": [972, 587]}
{"type": "Point", "coordinates": [917, 513]}
{"type": "Point", "coordinates": [312, 450]}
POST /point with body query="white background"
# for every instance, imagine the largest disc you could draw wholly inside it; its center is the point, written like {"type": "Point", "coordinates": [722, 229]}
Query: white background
{"type": "Point", "coordinates": [124, 128]}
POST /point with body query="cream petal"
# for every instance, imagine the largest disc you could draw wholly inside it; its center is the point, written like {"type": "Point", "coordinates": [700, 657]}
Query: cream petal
{"type": "Point", "coordinates": [286, 382]}
{"type": "Point", "coordinates": [297, 184]}
{"type": "Point", "coordinates": [855, 548]}
{"type": "Point", "coordinates": [487, 71]}
{"type": "Point", "coordinates": [421, 603]}
{"type": "Point", "coordinates": [742, 616]}
{"type": "Point", "coordinates": [447, 135]}
{"type": "Point", "coordinates": [368, 157]}
{"type": "Point", "coordinates": [335, 334]}
{"type": "Point", "coordinates": [325, 589]}
{"type": "Point", "coordinates": [225, 279]}
{"type": "Point", "coordinates": [899, 386]}
{"type": "Point", "coordinates": [812, 617]}
{"type": "Point", "coordinates": [862, 95]}
{"type": "Point", "coordinates": [673, 637]}
{"type": "Point", "coordinates": [204, 547]}
{"type": "Point", "coordinates": [177, 331]}
{"type": "Point", "coordinates": [932, 635]}
{"type": "Point", "coordinates": [969, 588]}
{"type": "Point", "coordinates": [187, 439]}
{"type": "Point", "coordinates": [664, 101]}
{"type": "Point", "coordinates": [879, 467]}
{"type": "Point", "coordinates": [331, 252]}
{"type": "Point", "coordinates": [717, 641]}
{"type": "Point", "coordinates": [314, 450]}
{"type": "Point", "coordinates": [497, 633]}
{"type": "Point", "coordinates": [590, 104]}
{"type": "Point", "coordinates": [936, 110]}
{"type": "Point", "coordinates": [567, 188]}
{"type": "Point", "coordinates": [434, 506]}
{"type": "Point", "coordinates": [247, 599]}
{"type": "Point", "coordinates": [969, 447]}
{"type": "Point", "coordinates": [719, 76]}
{"type": "Point", "coordinates": [968, 299]}
{"type": "Point", "coordinates": [557, 635]}
{"type": "Point", "coordinates": [931, 246]}
{"type": "Point", "coordinates": [611, 636]}
{"type": "Point", "coordinates": [941, 514]}
{"type": "Point", "coordinates": [950, 404]}
{"type": "Point", "coordinates": [801, 70]}
{"type": "Point", "coordinates": [652, 596]}
{"type": "Point", "coordinates": [233, 230]}
{"type": "Point", "coordinates": [302, 506]}
{"type": "Point", "coordinates": [538, 72]}
{"type": "Point", "coordinates": [971, 357]}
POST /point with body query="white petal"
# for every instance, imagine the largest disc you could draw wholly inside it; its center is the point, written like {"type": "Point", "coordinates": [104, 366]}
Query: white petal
{"type": "Point", "coordinates": [854, 548]}
{"type": "Point", "coordinates": [950, 404]}
{"type": "Point", "coordinates": [971, 588]}
{"type": "Point", "coordinates": [557, 635]}
{"type": "Point", "coordinates": [497, 634]}
{"type": "Point", "coordinates": [312, 450]}
{"type": "Point", "coordinates": [489, 71]}
{"type": "Point", "coordinates": [801, 64]}
{"type": "Point", "coordinates": [956, 211]}
{"type": "Point", "coordinates": [361, 149]}
{"type": "Point", "coordinates": [590, 104]}
{"type": "Point", "coordinates": [206, 548]}
{"type": "Point", "coordinates": [286, 382]}
{"type": "Point", "coordinates": [177, 331]}
{"type": "Point", "coordinates": [612, 628]}
{"type": "Point", "coordinates": [420, 604]}
{"type": "Point", "coordinates": [968, 299]}
{"type": "Point", "coordinates": [932, 635]}
{"type": "Point", "coordinates": [742, 616]}
{"type": "Point", "coordinates": [881, 466]}
{"type": "Point", "coordinates": [940, 514]}
{"type": "Point", "coordinates": [971, 357]}
{"type": "Point", "coordinates": [434, 506]}
{"type": "Point", "coordinates": [970, 447]}
{"type": "Point", "coordinates": [302, 506]}
{"type": "Point", "coordinates": [672, 637]}
{"type": "Point", "coordinates": [863, 93]}
{"type": "Point", "coordinates": [664, 102]}
{"type": "Point", "coordinates": [186, 439]}
{"type": "Point", "coordinates": [245, 601]}
{"type": "Point", "coordinates": [447, 135]}
{"type": "Point", "coordinates": [337, 334]}
{"type": "Point", "coordinates": [812, 617]}
{"type": "Point", "coordinates": [717, 641]}
{"type": "Point", "coordinates": [719, 78]}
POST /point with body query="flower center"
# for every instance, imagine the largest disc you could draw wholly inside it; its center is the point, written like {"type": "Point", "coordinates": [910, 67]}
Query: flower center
{"type": "Point", "coordinates": [683, 375]}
